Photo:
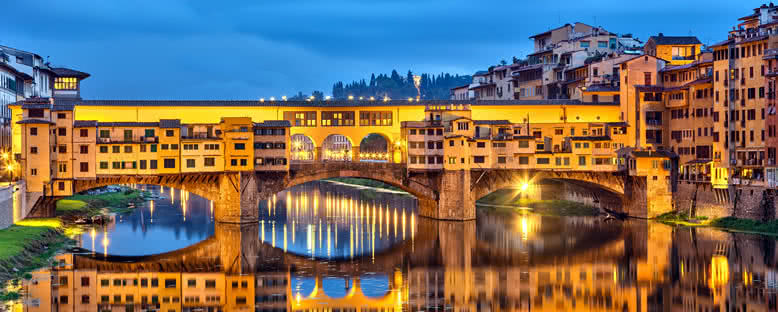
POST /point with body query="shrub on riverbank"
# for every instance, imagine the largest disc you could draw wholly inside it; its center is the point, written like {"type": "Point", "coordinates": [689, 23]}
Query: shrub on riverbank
{"type": "Point", "coordinates": [91, 204]}
{"type": "Point", "coordinates": [727, 223]}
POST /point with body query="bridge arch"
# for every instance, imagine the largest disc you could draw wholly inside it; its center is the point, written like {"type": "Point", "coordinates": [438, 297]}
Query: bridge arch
{"type": "Point", "coordinates": [337, 147]}
{"type": "Point", "coordinates": [376, 146]}
{"type": "Point", "coordinates": [205, 185]}
{"type": "Point", "coordinates": [606, 186]}
{"type": "Point", "coordinates": [303, 148]}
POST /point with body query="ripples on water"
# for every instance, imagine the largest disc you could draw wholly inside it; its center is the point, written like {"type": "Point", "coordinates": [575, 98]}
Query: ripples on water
{"type": "Point", "coordinates": [330, 247]}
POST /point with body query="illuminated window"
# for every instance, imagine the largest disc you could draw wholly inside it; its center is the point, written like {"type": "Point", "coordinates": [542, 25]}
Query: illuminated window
{"type": "Point", "coordinates": [65, 83]}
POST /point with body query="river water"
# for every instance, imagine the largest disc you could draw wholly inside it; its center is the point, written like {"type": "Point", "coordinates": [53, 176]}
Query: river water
{"type": "Point", "coordinates": [327, 246]}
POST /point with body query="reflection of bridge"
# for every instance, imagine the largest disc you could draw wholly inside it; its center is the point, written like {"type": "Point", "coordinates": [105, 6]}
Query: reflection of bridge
{"type": "Point", "coordinates": [454, 261]}
{"type": "Point", "coordinates": [445, 194]}
{"type": "Point", "coordinates": [237, 248]}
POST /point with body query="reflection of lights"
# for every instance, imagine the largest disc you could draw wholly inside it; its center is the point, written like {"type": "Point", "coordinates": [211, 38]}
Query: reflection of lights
{"type": "Point", "coordinates": [105, 243]}
{"type": "Point", "coordinates": [719, 271]}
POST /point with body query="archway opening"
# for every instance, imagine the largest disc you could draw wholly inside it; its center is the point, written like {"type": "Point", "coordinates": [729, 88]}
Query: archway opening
{"type": "Point", "coordinates": [375, 148]}
{"type": "Point", "coordinates": [336, 147]}
{"type": "Point", "coordinates": [303, 149]}
{"type": "Point", "coordinates": [544, 193]}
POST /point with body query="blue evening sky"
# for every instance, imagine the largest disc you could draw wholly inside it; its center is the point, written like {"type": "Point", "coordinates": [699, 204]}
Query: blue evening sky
{"type": "Point", "coordinates": [247, 49]}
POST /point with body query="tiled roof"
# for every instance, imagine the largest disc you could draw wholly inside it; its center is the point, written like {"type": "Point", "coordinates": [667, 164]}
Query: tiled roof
{"type": "Point", "coordinates": [650, 88]}
{"type": "Point", "coordinates": [722, 43]}
{"type": "Point", "coordinates": [36, 106]}
{"type": "Point", "coordinates": [84, 123]}
{"type": "Point", "coordinates": [128, 124]}
{"type": "Point", "coordinates": [67, 72]}
{"type": "Point", "coordinates": [10, 68]}
{"type": "Point", "coordinates": [491, 122]}
{"type": "Point", "coordinates": [273, 123]}
{"type": "Point", "coordinates": [62, 107]}
{"type": "Point", "coordinates": [35, 121]}
{"type": "Point", "coordinates": [667, 40]}
{"type": "Point", "coordinates": [170, 123]}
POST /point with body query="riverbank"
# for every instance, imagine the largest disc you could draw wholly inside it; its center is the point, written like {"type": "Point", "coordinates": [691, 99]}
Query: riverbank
{"type": "Point", "coordinates": [506, 200]}
{"type": "Point", "coordinates": [28, 245]}
{"type": "Point", "coordinates": [113, 199]}
{"type": "Point", "coordinates": [725, 223]}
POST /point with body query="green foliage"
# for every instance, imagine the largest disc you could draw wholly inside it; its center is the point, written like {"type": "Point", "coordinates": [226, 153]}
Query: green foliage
{"type": "Point", "coordinates": [114, 200]}
{"type": "Point", "coordinates": [507, 198]}
{"type": "Point", "coordinates": [396, 86]}
{"type": "Point", "coordinates": [69, 205]}
{"type": "Point", "coordinates": [9, 296]}
{"type": "Point", "coordinates": [16, 238]}
{"type": "Point", "coordinates": [747, 225]}
{"type": "Point", "coordinates": [366, 182]}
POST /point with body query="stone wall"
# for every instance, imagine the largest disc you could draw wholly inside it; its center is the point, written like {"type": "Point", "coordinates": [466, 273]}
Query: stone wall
{"type": "Point", "coordinates": [13, 204]}
{"type": "Point", "coordinates": [749, 202]}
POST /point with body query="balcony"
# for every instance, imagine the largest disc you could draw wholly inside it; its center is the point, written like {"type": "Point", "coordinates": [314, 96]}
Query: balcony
{"type": "Point", "coordinates": [684, 57]}
{"type": "Point", "coordinates": [654, 122]}
{"type": "Point", "coordinates": [751, 162]}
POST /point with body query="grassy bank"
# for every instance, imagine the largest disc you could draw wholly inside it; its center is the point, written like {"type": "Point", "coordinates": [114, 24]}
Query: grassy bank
{"type": "Point", "coordinates": [28, 245]}
{"type": "Point", "coordinates": [366, 182]}
{"type": "Point", "coordinates": [90, 205]}
{"type": "Point", "coordinates": [726, 223]}
{"type": "Point", "coordinates": [506, 200]}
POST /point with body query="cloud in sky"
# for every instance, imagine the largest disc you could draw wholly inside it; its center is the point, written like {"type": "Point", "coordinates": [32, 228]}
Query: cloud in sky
{"type": "Point", "coordinates": [236, 49]}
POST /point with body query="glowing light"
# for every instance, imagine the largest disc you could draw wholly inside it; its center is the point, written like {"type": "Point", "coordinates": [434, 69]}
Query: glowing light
{"type": "Point", "coordinates": [372, 98]}
{"type": "Point", "coordinates": [350, 97]}
{"type": "Point", "coordinates": [327, 98]}
{"type": "Point", "coordinates": [524, 186]}
{"type": "Point", "coordinates": [283, 97]}
{"type": "Point", "coordinates": [361, 98]}
{"type": "Point", "coordinates": [272, 98]}
{"type": "Point", "coordinates": [262, 100]}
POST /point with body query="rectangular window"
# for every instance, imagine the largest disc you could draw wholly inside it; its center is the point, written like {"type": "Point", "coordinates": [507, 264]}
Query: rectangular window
{"type": "Point", "coordinates": [33, 131]}
{"type": "Point", "coordinates": [153, 164]}
{"type": "Point", "coordinates": [543, 161]}
{"type": "Point", "coordinates": [190, 163]}
{"type": "Point", "coordinates": [210, 161]}
{"type": "Point", "coordinates": [84, 167]}
{"type": "Point", "coordinates": [65, 83]}
{"type": "Point", "coordinates": [105, 134]}
{"type": "Point", "coordinates": [169, 163]}
{"type": "Point", "coordinates": [170, 133]}
{"type": "Point", "coordinates": [128, 149]}
{"type": "Point", "coordinates": [149, 133]}
{"type": "Point", "coordinates": [142, 164]}
{"type": "Point", "coordinates": [335, 119]}
{"type": "Point", "coordinates": [377, 118]}
{"type": "Point", "coordinates": [83, 132]}
{"type": "Point", "coordinates": [301, 119]}
{"type": "Point", "coordinates": [103, 165]}
{"type": "Point", "coordinates": [240, 146]}
{"type": "Point", "coordinates": [153, 148]}
{"type": "Point", "coordinates": [62, 131]}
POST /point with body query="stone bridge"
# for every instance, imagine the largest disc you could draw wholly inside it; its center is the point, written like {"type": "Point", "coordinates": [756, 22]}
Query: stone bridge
{"type": "Point", "coordinates": [442, 194]}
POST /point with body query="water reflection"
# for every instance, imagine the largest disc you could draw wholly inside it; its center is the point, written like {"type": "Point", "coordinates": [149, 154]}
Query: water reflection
{"type": "Point", "coordinates": [175, 219]}
{"type": "Point", "coordinates": [328, 220]}
{"type": "Point", "coordinates": [503, 261]}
